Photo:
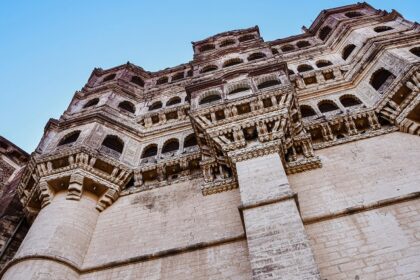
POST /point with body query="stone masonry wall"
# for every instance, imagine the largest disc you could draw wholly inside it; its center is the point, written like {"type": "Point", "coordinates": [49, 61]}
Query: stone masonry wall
{"type": "Point", "coordinates": [378, 244]}
{"type": "Point", "coordinates": [167, 218]}
{"type": "Point", "coordinates": [359, 173]}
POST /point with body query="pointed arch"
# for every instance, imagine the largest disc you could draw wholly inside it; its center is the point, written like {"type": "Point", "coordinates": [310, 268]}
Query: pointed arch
{"type": "Point", "coordinates": [347, 51]}
{"type": "Point", "coordinates": [174, 100]}
{"type": "Point", "coordinates": [137, 80]}
{"type": "Point", "coordinates": [91, 102]}
{"type": "Point", "coordinates": [324, 32]}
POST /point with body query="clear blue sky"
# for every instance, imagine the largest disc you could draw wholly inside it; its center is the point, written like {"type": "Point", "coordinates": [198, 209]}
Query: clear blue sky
{"type": "Point", "coordinates": [49, 48]}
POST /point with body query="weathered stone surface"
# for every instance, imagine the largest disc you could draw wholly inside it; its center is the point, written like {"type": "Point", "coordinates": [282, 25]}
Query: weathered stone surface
{"type": "Point", "coordinates": [281, 159]}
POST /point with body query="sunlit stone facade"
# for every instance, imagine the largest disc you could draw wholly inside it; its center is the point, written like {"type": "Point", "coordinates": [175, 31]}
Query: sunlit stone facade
{"type": "Point", "coordinates": [296, 158]}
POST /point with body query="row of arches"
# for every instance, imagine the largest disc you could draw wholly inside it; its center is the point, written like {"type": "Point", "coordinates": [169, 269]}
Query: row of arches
{"type": "Point", "coordinates": [137, 80]}
{"type": "Point", "coordinates": [326, 106]}
{"type": "Point", "coordinates": [158, 104]}
{"type": "Point", "coordinates": [112, 142]}
{"type": "Point", "coordinates": [232, 62]}
{"type": "Point", "coordinates": [225, 43]}
{"type": "Point", "coordinates": [125, 105]}
{"type": "Point", "coordinates": [215, 95]}
{"type": "Point", "coordinates": [306, 67]}
{"type": "Point", "coordinates": [169, 146]}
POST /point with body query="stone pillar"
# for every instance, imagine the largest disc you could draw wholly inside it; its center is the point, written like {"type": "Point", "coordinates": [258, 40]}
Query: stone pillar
{"type": "Point", "coordinates": [57, 241]}
{"type": "Point", "coordinates": [277, 243]}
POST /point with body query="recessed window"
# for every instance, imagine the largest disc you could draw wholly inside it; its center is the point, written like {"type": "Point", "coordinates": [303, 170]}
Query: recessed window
{"type": "Point", "coordinates": [137, 80]}
{"type": "Point", "coordinates": [324, 32]}
{"type": "Point", "coordinates": [127, 106]}
{"type": "Point", "coordinates": [302, 44]}
{"type": "Point", "coordinates": [246, 38]}
{"type": "Point", "coordinates": [287, 48]}
{"type": "Point", "coordinates": [349, 101]}
{"type": "Point", "coordinates": [307, 111]}
{"type": "Point", "coordinates": [171, 145]}
{"type": "Point", "coordinates": [380, 29]}
{"type": "Point", "coordinates": [256, 56]}
{"type": "Point", "coordinates": [109, 77]}
{"type": "Point", "coordinates": [381, 79]}
{"type": "Point", "coordinates": [162, 80]}
{"type": "Point", "coordinates": [353, 14]}
{"type": "Point", "coordinates": [291, 72]}
{"type": "Point", "coordinates": [239, 88]}
{"type": "Point", "coordinates": [173, 101]}
{"type": "Point", "coordinates": [415, 51]}
{"type": "Point", "coordinates": [304, 67]}
{"type": "Point", "coordinates": [228, 42]}
{"type": "Point", "coordinates": [268, 83]}
{"type": "Point", "coordinates": [149, 151]}
{"type": "Point", "coordinates": [274, 51]}
{"type": "Point", "coordinates": [114, 143]}
{"type": "Point", "coordinates": [178, 76]}
{"type": "Point", "coordinates": [323, 63]}
{"type": "Point", "coordinates": [190, 141]}
{"type": "Point", "coordinates": [206, 48]}
{"type": "Point", "coordinates": [210, 99]}
{"type": "Point", "coordinates": [208, 68]}
{"type": "Point", "coordinates": [327, 106]}
{"type": "Point", "coordinates": [69, 138]}
{"type": "Point", "coordinates": [232, 62]}
{"type": "Point", "coordinates": [91, 103]}
{"type": "Point", "coordinates": [155, 106]}
{"type": "Point", "coordinates": [347, 51]}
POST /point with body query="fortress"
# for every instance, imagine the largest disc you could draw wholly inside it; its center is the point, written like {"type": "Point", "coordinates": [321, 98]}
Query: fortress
{"type": "Point", "coordinates": [297, 158]}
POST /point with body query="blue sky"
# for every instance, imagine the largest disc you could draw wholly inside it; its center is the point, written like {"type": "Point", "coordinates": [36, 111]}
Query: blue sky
{"type": "Point", "coordinates": [49, 48]}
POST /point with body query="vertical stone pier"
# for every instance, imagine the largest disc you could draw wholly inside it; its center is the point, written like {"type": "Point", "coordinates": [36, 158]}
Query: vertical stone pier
{"type": "Point", "coordinates": [57, 242]}
{"type": "Point", "coordinates": [277, 243]}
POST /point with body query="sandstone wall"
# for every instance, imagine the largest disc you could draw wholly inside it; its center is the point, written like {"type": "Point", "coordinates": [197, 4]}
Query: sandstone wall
{"type": "Point", "coordinates": [378, 243]}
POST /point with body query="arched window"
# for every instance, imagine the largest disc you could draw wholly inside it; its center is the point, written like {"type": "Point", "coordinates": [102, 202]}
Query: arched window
{"type": "Point", "coordinates": [380, 29]}
{"type": "Point", "coordinates": [381, 79]}
{"type": "Point", "coordinates": [304, 67]}
{"type": "Point", "coordinates": [352, 14]}
{"type": "Point", "coordinates": [208, 68]}
{"type": "Point", "coordinates": [239, 88]}
{"type": "Point", "coordinates": [227, 42]}
{"type": "Point", "coordinates": [287, 48]}
{"type": "Point", "coordinates": [302, 44]}
{"type": "Point", "coordinates": [347, 51]}
{"type": "Point", "coordinates": [69, 138]}
{"type": "Point", "coordinates": [323, 63]}
{"type": "Point", "coordinates": [349, 100]}
{"type": "Point", "coordinates": [232, 61]}
{"type": "Point", "coordinates": [324, 32]}
{"type": "Point", "coordinates": [170, 146]}
{"type": "Point", "coordinates": [327, 106]}
{"type": "Point", "coordinates": [307, 111]}
{"type": "Point", "coordinates": [173, 101]}
{"type": "Point", "coordinates": [274, 51]}
{"type": "Point", "coordinates": [255, 56]}
{"type": "Point", "coordinates": [114, 143]}
{"type": "Point", "coordinates": [207, 47]}
{"type": "Point", "coordinates": [109, 78]}
{"type": "Point", "coordinates": [137, 80]}
{"type": "Point", "coordinates": [268, 83]}
{"type": "Point", "coordinates": [190, 141]}
{"type": "Point", "coordinates": [178, 76]}
{"type": "Point", "coordinates": [155, 106]}
{"type": "Point", "coordinates": [149, 151]}
{"type": "Point", "coordinates": [91, 103]}
{"type": "Point", "coordinates": [415, 51]}
{"type": "Point", "coordinates": [246, 38]}
{"type": "Point", "coordinates": [162, 80]}
{"type": "Point", "coordinates": [210, 98]}
{"type": "Point", "coordinates": [127, 106]}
